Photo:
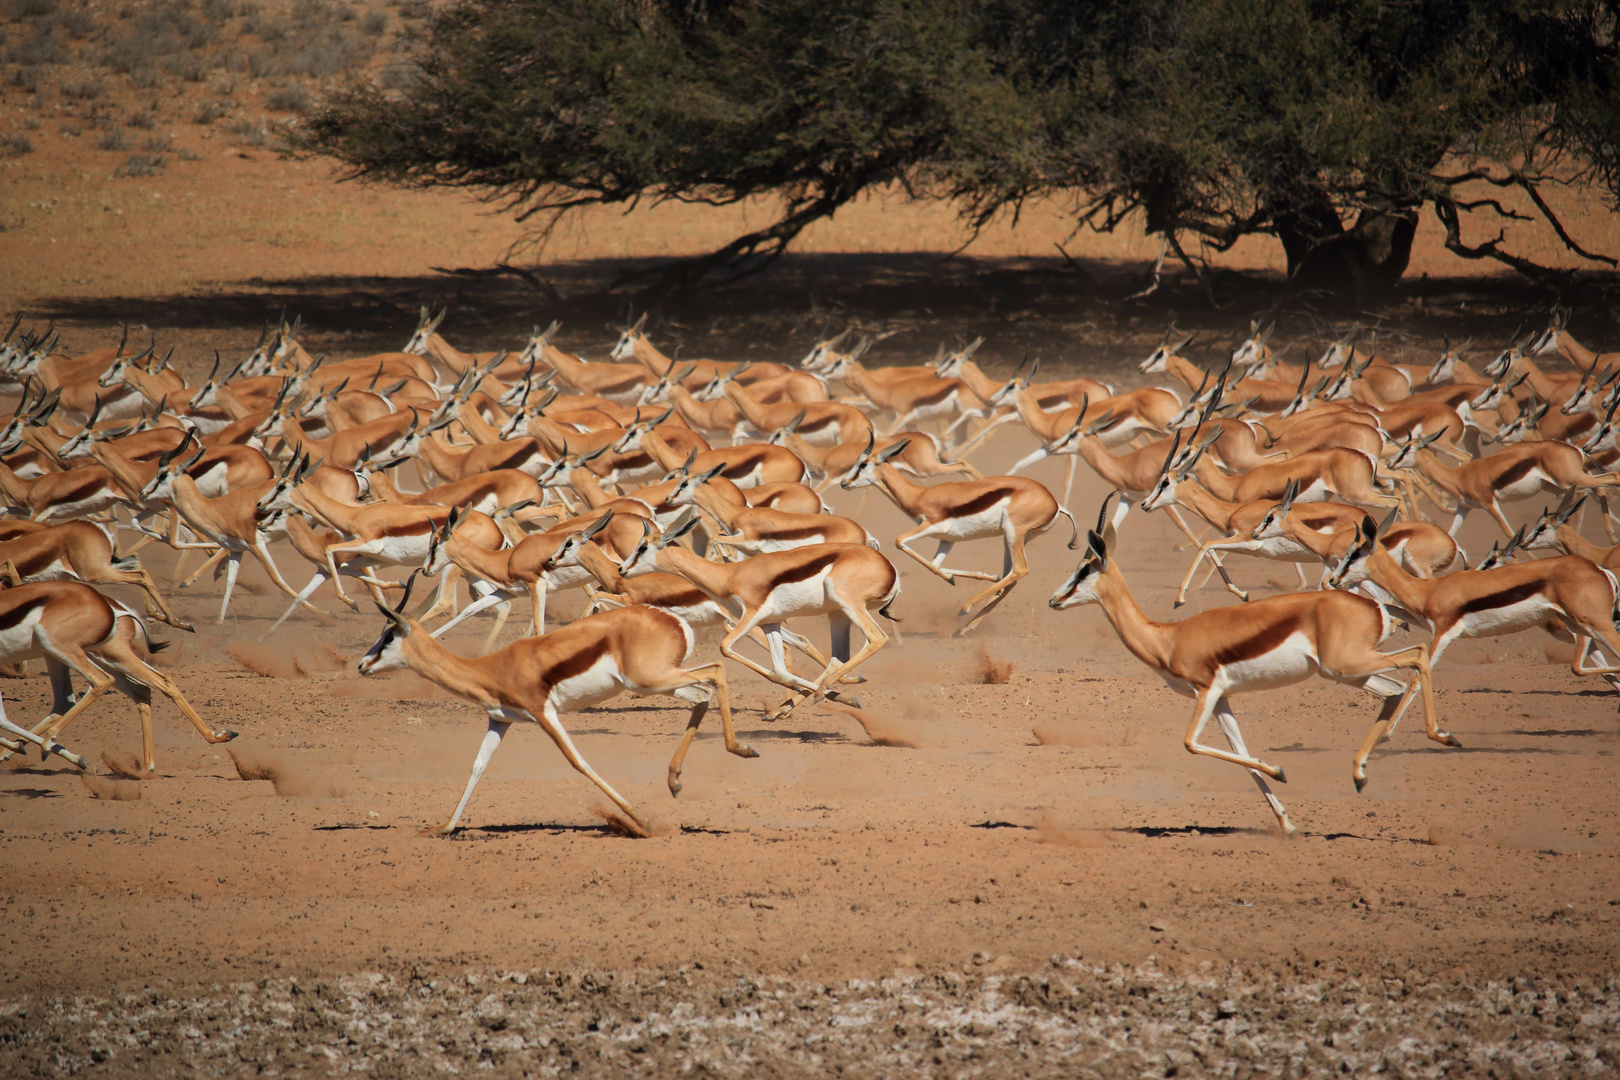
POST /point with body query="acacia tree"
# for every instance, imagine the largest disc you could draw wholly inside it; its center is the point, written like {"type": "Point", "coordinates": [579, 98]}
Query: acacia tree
{"type": "Point", "coordinates": [1330, 125]}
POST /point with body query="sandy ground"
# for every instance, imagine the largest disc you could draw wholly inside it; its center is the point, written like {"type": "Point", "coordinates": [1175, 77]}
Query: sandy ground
{"type": "Point", "coordinates": [968, 875]}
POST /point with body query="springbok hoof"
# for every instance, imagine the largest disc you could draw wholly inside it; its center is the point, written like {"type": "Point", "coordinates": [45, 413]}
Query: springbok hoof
{"type": "Point", "coordinates": [1281, 777]}
{"type": "Point", "coordinates": [746, 751]}
{"type": "Point", "coordinates": [434, 832]}
{"type": "Point", "coordinates": [1361, 782]}
{"type": "Point", "coordinates": [227, 735]}
{"type": "Point", "coordinates": [674, 785]}
{"type": "Point", "coordinates": [1450, 740]}
{"type": "Point", "coordinates": [1179, 603]}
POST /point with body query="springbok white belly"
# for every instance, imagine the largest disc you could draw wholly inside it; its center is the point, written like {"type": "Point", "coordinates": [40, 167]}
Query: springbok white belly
{"type": "Point", "coordinates": [1290, 662]}
{"type": "Point", "coordinates": [596, 684]}
{"type": "Point", "coordinates": [980, 526]}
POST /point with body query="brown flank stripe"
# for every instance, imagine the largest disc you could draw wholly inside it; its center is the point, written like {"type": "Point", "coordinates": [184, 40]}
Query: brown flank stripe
{"type": "Point", "coordinates": [981, 503]}
{"type": "Point", "coordinates": [578, 663]}
{"type": "Point", "coordinates": [1259, 644]}
{"type": "Point", "coordinates": [1517, 471]}
{"type": "Point", "coordinates": [807, 570]}
{"type": "Point", "coordinates": [14, 616]}
{"type": "Point", "coordinates": [1505, 598]}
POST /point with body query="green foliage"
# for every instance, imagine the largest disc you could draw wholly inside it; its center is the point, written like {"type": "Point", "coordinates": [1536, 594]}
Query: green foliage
{"type": "Point", "coordinates": [1215, 118]}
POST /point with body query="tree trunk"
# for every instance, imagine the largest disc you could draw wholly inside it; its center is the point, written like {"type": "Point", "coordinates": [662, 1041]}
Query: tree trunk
{"type": "Point", "coordinates": [1363, 261]}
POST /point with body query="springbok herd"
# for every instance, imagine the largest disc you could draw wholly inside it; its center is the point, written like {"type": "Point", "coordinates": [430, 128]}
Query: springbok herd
{"type": "Point", "coordinates": [684, 495]}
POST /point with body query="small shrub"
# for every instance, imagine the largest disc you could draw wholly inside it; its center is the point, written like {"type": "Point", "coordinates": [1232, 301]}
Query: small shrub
{"type": "Point", "coordinates": [217, 11]}
{"type": "Point", "coordinates": [84, 89]}
{"type": "Point", "coordinates": [71, 130]}
{"type": "Point", "coordinates": [157, 144]}
{"type": "Point", "coordinates": [321, 57]}
{"type": "Point", "coordinates": [26, 76]}
{"type": "Point", "coordinates": [186, 155]}
{"type": "Point", "coordinates": [250, 133]}
{"type": "Point", "coordinates": [112, 139]}
{"type": "Point", "coordinates": [400, 76]}
{"type": "Point", "coordinates": [46, 47]}
{"type": "Point", "coordinates": [31, 123]}
{"type": "Point", "coordinates": [191, 67]}
{"type": "Point", "coordinates": [146, 78]}
{"type": "Point", "coordinates": [15, 144]}
{"type": "Point", "coordinates": [374, 23]}
{"type": "Point", "coordinates": [261, 64]}
{"type": "Point", "coordinates": [76, 24]}
{"type": "Point", "coordinates": [208, 112]}
{"type": "Point", "coordinates": [29, 9]}
{"type": "Point", "coordinates": [309, 13]}
{"type": "Point", "coordinates": [142, 165]}
{"type": "Point", "coordinates": [146, 120]}
{"type": "Point", "coordinates": [290, 98]}
{"type": "Point", "coordinates": [125, 55]}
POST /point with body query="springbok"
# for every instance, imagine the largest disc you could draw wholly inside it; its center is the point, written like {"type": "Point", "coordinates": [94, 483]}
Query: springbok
{"type": "Point", "coordinates": [535, 680]}
{"type": "Point", "coordinates": [1269, 643]}
{"type": "Point", "coordinates": [1010, 508]}
{"type": "Point", "coordinates": [844, 582]}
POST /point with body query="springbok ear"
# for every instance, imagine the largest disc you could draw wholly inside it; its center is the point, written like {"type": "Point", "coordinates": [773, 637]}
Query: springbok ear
{"type": "Point", "coordinates": [712, 473]}
{"type": "Point", "coordinates": [1389, 519]}
{"type": "Point", "coordinates": [639, 323]}
{"type": "Point", "coordinates": [592, 456]}
{"type": "Point", "coordinates": [1569, 511]}
{"type": "Point", "coordinates": [1290, 493]}
{"type": "Point", "coordinates": [686, 466]}
{"type": "Point", "coordinates": [1103, 423]}
{"type": "Point", "coordinates": [399, 620]}
{"type": "Point", "coordinates": [798, 418]}
{"type": "Point", "coordinates": [598, 525]}
{"type": "Point", "coordinates": [679, 527]}
{"type": "Point", "coordinates": [889, 452]}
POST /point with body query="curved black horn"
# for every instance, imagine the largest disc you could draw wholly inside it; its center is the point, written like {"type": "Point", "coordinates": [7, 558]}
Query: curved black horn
{"type": "Point", "coordinates": [1102, 512]}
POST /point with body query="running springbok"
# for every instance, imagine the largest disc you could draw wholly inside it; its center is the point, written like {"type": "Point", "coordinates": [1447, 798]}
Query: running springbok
{"type": "Point", "coordinates": [76, 629]}
{"type": "Point", "coordinates": [1571, 598]}
{"type": "Point", "coordinates": [844, 582]}
{"type": "Point", "coordinates": [1010, 508]}
{"type": "Point", "coordinates": [1270, 643]}
{"type": "Point", "coordinates": [1518, 471]}
{"type": "Point", "coordinates": [638, 650]}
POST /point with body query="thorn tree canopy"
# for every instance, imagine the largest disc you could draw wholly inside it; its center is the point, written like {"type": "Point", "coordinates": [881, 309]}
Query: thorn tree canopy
{"type": "Point", "coordinates": [1330, 125]}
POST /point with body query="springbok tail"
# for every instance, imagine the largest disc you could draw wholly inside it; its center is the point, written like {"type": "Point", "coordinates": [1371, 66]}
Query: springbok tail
{"type": "Point", "coordinates": [1074, 529]}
